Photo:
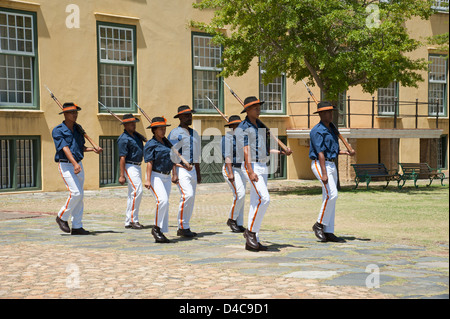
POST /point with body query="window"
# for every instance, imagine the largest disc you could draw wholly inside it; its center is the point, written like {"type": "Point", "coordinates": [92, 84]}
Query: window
{"type": "Point", "coordinates": [386, 99]}
{"type": "Point", "coordinates": [117, 67]}
{"type": "Point", "coordinates": [273, 94]}
{"type": "Point", "coordinates": [437, 85]}
{"type": "Point", "coordinates": [18, 61]}
{"type": "Point", "coordinates": [19, 163]}
{"type": "Point", "coordinates": [206, 57]}
{"type": "Point", "coordinates": [109, 161]}
{"type": "Point", "coordinates": [440, 5]}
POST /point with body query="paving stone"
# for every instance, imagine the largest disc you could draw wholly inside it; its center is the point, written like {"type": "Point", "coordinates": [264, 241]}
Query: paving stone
{"type": "Point", "coordinates": [311, 274]}
{"type": "Point", "coordinates": [356, 279]}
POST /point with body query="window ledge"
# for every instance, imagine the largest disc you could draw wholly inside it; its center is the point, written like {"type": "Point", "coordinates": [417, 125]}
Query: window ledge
{"type": "Point", "coordinates": [21, 111]}
{"type": "Point", "coordinates": [24, 5]}
{"type": "Point", "coordinates": [115, 18]}
{"type": "Point", "coordinates": [387, 117]}
{"type": "Point", "coordinates": [118, 114]}
{"type": "Point", "coordinates": [440, 118]}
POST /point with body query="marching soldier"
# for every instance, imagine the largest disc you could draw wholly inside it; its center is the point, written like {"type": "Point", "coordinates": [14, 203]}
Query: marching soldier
{"type": "Point", "coordinates": [131, 153]}
{"type": "Point", "coordinates": [324, 149]}
{"type": "Point", "coordinates": [70, 149]}
{"type": "Point", "coordinates": [188, 141]}
{"type": "Point", "coordinates": [234, 176]}
{"type": "Point", "coordinates": [157, 177]}
{"type": "Point", "coordinates": [251, 134]}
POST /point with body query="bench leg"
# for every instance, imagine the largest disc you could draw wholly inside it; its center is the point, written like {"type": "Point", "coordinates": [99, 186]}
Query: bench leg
{"type": "Point", "coordinates": [400, 181]}
{"type": "Point", "coordinates": [368, 179]}
{"type": "Point", "coordinates": [415, 183]}
{"type": "Point", "coordinates": [431, 181]}
{"type": "Point", "coordinates": [356, 183]}
{"type": "Point", "coordinates": [386, 184]}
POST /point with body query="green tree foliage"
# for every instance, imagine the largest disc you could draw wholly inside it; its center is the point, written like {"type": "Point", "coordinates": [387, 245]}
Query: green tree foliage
{"type": "Point", "coordinates": [334, 43]}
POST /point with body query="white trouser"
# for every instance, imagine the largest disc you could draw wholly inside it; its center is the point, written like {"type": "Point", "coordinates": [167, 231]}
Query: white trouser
{"type": "Point", "coordinates": [329, 194]}
{"type": "Point", "coordinates": [134, 180]}
{"type": "Point", "coordinates": [187, 183]}
{"type": "Point", "coordinates": [238, 189]}
{"type": "Point", "coordinates": [160, 187]}
{"type": "Point", "coordinates": [74, 204]}
{"type": "Point", "coordinates": [259, 197]}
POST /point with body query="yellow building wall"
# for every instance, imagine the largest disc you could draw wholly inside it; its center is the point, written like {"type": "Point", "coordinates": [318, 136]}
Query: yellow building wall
{"type": "Point", "coordinates": [67, 60]}
{"type": "Point", "coordinates": [367, 151]}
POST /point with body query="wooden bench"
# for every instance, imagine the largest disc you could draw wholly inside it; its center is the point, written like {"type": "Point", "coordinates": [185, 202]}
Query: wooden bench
{"type": "Point", "coordinates": [378, 172]}
{"type": "Point", "coordinates": [417, 171]}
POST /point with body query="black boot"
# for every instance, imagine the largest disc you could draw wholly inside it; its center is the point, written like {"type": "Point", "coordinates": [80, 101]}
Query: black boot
{"type": "Point", "coordinates": [318, 231]}
{"type": "Point", "coordinates": [332, 237]}
{"type": "Point", "coordinates": [251, 241]}
{"type": "Point", "coordinates": [159, 236]}
{"type": "Point", "coordinates": [233, 225]}
{"type": "Point", "coordinates": [63, 225]}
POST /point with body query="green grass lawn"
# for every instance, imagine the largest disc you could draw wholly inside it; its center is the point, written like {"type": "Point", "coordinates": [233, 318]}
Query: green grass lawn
{"type": "Point", "coordinates": [417, 216]}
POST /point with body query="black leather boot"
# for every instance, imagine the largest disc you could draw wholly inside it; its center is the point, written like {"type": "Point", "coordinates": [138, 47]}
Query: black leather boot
{"type": "Point", "coordinates": [318, 231]}
{"type": "Point", "coordinates": [159, 236]}
{"type": "Point", "coordinates": [251, 241]}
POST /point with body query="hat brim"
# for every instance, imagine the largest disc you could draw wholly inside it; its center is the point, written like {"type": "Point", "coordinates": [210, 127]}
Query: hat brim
{"type": "Point", "coordinates": [135, 121]}
{"type": "Point", "coordinates": [233, 123]}
{"type": "Point", "coordinates": [158, 126]}
{"type": "Point", "coordinates": [185, 112]}
{"type": "Point", "coordinates": [251, 104]}
{"type": "Point", "coordinates": [326, 108]}
{"type": "Point", "coordinates": [78, 109]}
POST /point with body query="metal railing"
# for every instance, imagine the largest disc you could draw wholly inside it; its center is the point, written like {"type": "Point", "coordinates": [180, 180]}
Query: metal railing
{"type": "Point", "coordinates": [396, 103]}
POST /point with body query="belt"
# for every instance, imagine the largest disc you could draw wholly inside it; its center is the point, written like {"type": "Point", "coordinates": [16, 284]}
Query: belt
{"type": "Point", "coordinates": [330, 159]}
{"type": "Point", "coordinates": [134, 163]}
{"type": "Point", "coordinates": [65, 161]}
{"type": "Point", "coordinates": [236, 165]}
{"type": "Point", "coordinates": [164, 173]}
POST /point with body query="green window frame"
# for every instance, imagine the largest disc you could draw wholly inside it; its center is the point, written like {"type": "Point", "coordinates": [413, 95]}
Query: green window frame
{"type": "Point", "coordinates": [19, 78]}
{"type": "Point", "coordinates": [386, 99]}
{"type": "Point", "coordinates": [20, 163]}
{"type": "Point", "coordinates": [437, 84]}
{"type": "Point", "coordinates": [117, 66]}
{"type": "Point", "coordinates": [273, 94]}
{"type": "Point", "coordinates": [206, 58]}
{"type": "Point", "coordinates": [109, 162]}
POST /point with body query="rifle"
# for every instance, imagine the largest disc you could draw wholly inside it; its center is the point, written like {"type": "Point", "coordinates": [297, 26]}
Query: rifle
{"type": "Point", "coordinates": [349, 148]}
{"type": "Point", "coordinates": [217, 109]}
{"type": "Point", "coordinates": [280, 143]}
{"type": "Point", "coordinates": [166, 140]}
{"type": "Point", "coordinates": [142, 137]}
{"type": "Point", "coordinates": [78, 126]}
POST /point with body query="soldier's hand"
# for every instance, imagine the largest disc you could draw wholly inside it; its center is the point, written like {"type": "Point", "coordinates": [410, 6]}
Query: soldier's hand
{"type": "Point", "coordinates": [77, 168]}
{"type": "Point", "coordinates": [122, 180]}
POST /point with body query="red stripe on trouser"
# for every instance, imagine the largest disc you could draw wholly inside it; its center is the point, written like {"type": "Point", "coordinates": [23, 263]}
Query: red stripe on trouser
{"type": "Point", "coordinates": [157, 205]}
{"type": "Point", "coordinates": [235, 195]}
{"type": "Point", "coordinates": [182, 206]}
{"type": "Point", "coordinates": [70, 193]}
{"type": "Point", "coordinates": [259, 201]}
{"type": "Point", "coordinates": [134, 196]}
{"type": "Point", "coordinates": [328, 196]}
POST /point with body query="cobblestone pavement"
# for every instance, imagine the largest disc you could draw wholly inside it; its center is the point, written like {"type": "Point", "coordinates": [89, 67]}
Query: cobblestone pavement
{"type": "Point", "coordinates": [37, 260]}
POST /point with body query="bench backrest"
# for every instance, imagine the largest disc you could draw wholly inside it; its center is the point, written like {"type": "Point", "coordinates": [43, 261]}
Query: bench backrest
{"type": "Point", "coordinates": [370, 169]}
{"type": "Point", "coordinates": [418, 168]}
